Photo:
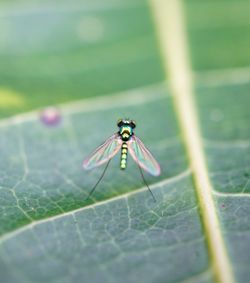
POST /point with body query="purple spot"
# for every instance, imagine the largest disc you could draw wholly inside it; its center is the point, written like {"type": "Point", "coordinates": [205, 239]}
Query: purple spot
{"type": "Point", "coordinates": [223, 205]}
{"type": "Point", "coordinates": [50, 116]}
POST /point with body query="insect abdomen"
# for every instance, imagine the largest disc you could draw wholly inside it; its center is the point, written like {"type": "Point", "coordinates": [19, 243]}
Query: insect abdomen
{"type": "Point", "coordinates": [124, 153]}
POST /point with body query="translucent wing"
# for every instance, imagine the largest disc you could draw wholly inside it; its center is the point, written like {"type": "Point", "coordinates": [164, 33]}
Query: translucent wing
{"type": "Point", "coordinates": [143, 157]}
{"type": "Point", "coordinates": [103, 153]}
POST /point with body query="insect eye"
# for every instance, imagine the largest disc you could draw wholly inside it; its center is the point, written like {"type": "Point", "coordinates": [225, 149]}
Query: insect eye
{"type": "Point", "coordinates": [119, 123]}
{"type": "Point", "coordinates": [133, 124]}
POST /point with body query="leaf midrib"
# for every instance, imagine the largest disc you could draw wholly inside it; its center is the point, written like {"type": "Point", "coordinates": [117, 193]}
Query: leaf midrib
{"type": "Point", "coordinates": [169, 19]}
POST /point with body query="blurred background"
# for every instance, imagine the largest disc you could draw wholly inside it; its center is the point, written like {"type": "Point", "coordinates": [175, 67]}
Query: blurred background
{"type": "Point", "coordinates": [52, 52]}
{"type": "Point", "coordinates": [55, 51]}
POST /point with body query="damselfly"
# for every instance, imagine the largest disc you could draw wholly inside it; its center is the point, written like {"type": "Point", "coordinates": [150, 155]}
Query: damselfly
{"type": "Point", "coordinates": [126, 141]}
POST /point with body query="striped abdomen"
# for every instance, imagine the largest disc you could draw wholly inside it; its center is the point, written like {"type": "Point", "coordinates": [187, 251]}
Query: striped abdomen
{"type": "Point", "coordinates": [124, 154]}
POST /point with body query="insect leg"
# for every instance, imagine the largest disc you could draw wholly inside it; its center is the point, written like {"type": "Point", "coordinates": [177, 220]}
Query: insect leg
{"type": "Point", "coordinates": [103, 173]}
{"type": "Point", "coordinates": [145, 182]}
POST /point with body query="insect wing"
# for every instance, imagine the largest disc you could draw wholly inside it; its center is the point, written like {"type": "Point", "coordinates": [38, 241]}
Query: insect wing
{"type": "Point", "coordinates": [103, 153]}
{"type": "Point", "coordinates": [143, 157]}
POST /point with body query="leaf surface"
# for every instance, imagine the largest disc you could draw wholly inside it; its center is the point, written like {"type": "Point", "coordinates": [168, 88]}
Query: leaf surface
{"type": "Point", "coordinates": [49, 233]}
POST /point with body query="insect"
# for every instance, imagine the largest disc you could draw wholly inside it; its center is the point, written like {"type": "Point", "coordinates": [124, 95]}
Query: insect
{"type": "Point", "coordinates": [125, 141]}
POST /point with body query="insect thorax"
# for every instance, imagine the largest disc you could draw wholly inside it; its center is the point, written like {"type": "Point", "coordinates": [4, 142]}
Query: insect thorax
{"type": "Point", "coordinates": [126, 132]}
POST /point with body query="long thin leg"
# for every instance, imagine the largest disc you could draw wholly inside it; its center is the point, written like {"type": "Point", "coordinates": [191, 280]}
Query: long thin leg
{"type": "Point", "coordinates": [103, 173]}
{"type": "Point", "coordinates": [145, 182]}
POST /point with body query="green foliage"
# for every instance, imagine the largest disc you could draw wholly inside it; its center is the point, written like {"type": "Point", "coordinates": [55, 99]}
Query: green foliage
{"type": "Point", "coordinates": [49, 233]}
{"type": "Point", "coordinates": [53, 53]}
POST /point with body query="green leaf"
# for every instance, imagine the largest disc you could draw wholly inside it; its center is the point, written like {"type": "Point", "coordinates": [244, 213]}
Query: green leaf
{"type": "Point", "coordinates": [198, 230]}
{"type": "Point", "coordinates": [124, 229]}
{"type": "Point", "coordinates": [53, 53]}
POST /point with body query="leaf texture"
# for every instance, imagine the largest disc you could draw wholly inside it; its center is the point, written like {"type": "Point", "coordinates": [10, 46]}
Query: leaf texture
{"type": "Point", "coordinates": [48, 232]}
